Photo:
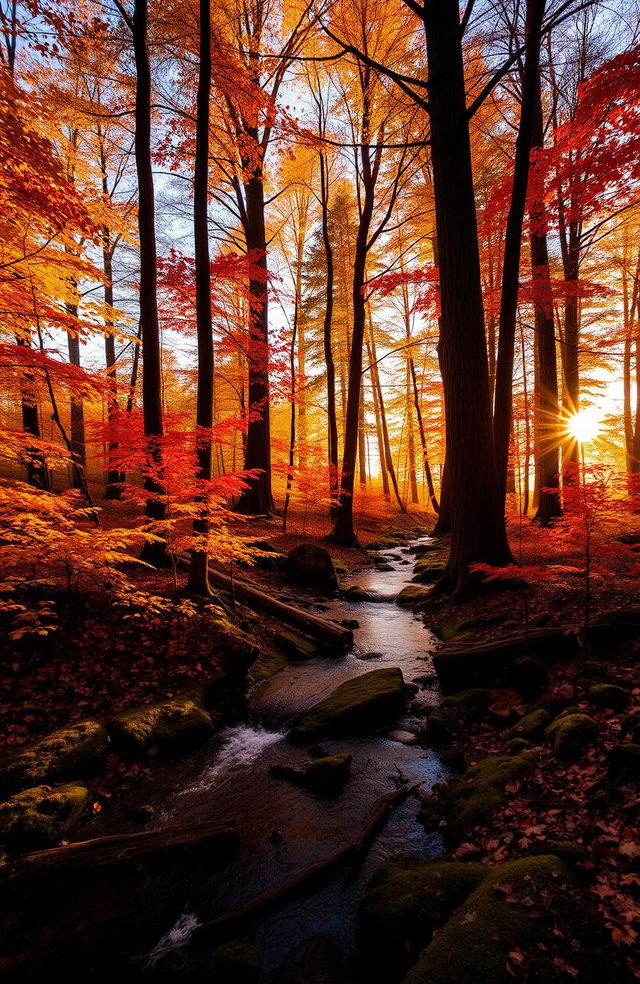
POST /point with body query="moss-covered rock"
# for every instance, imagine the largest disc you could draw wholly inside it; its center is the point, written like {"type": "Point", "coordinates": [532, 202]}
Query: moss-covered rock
{"type": "Point", "coordinates": [170, 726]}
{"type": "Point", "coordinates": [325, 776]}
{"type": "Point", "coordinates": [269, 661]}
{"type": "Point", "coordinates": [365, 701]}
{"type": "Point", "coordinates": [413, 596]}
{"type": "Point", "coordinates": [439, 731]}
{"type": "Point", "coordinates": [455, 630]}
{"type": "Point", "coordinates": [41, 816]}
{"type": "Point", "coordinates": [403, 906]}
{"type": "Point", "coordinates": [310, 565]}
{"type": "Point", "coordinates": [356, 592]}
{"type": "Point", "coordinates": [624, 762]}
{"type": "Point", "coordinates": [427, 573]}
{"type": "Point", "coordinates": [297, 646]}
{"type": "Point", "coordinates": [516, 907]}
{"type": "Point", "coordinates": [571, 735]}
{"type": "Point", "coordinates": [532, 725]}
{"type": "Point", "coordinates": [235, 963]}
{"type": "Point", "coordinates": [74, 752]}
{"type": "Point", "coordinates": [516, 745]}
{"type": "Point", "coordinates": [471, 799]}
{"type": "Point", "coordinates": [568, 851]}
{"type": "Point", "coordinates": [609, 695]}
{"type": "Point", "coordinates": [528, 676]}
{"type": "Point", "coordinates": [468, 704]}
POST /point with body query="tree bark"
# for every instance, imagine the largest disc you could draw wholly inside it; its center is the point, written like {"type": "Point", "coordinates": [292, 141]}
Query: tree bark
{"type": "Point", "coordinates": [332, 420]}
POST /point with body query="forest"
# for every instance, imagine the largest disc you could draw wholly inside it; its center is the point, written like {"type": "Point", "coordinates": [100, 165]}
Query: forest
{"type": "Point", "coordinates": [320, 491]}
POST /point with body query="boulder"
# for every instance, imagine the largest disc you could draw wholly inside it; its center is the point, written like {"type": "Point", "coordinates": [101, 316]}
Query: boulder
{"type": "Point", "coordinates": [468, 704]}
{"type": "Point", "coordinates": [413, 596]}
{"type": "Point", "coordinates": [532, 725]}
{"type": "Point", "coordinates": [528, 676]}
{"type": "Point", "coordinates": [41, 816]}
{"type": "Point", "coordinates": [506, 923]}
{"type": "Point", "coordinates": [608, 695]}
{"type": "Point", "coordinates": [438, 731]}
{"type": "Point", "coordinates": [311, 566]}
{"type": "Point", "coordinates": [235, 963]}
{"type": "Point", "coordinates": [455, 630]}
{"type": "Point", "coordinates": [427, 573]}
{"type": "Point", "coordinates": [470, 800]}
{"type": "Point", "coordinates": [571, 735]}
{"type": "Point", "coordinates": [75, 752]}
{"type": "Point", "coordinates": [568, 851]}
{"type": "Point", "coordinates": [516, 745]}
{"type": "Point", "coordinates": [624, 762]}
{"type": "Point", "coordinates": [356, 593]}
{"type": "Point", "coordinates": [170, 726]}
{"type": "Point", "coordinates": [325, 776]}
{"type": "Point", "coordinates": [366, 701]}
{"type": "Point", "coordinates": [297, 646]}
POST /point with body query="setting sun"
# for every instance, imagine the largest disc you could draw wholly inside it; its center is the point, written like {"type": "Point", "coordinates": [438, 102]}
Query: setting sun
{"type": "Point", "coordinates": [584, 425]}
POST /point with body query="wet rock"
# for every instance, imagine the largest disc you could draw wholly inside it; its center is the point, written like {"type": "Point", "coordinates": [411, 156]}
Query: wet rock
{"type": "Point", "coordinates": [297, 646]}
{"type": "Point", "coordinates": [403, 737]}
{"type": "Point", "coordinates": [624, 762]}
{"type": "Point", "coordinates": [411, 689]}
{"type": "Point", "coordinates": [321, 962]}
{"type": "Point", "coordinates": [471, 799]}
{"type": "Point", "coordinates": [456, 630]}
{"type": "Point", "coordinates": [309, 565]}
{"type": "Point", "coordinates": [383, 566]}
{"type": "Point", "coordinates": [532, 725]}
{"type": "Point", "coordinates": [77, 751]}
{"type": "Point", "coordinates": [467, 705]}
{"type": "Point", "coordinates": [324, 776]}
{"type": "Point", "coordinates": [571, 735]}
{"type": "Point", "coordinates": [170, 726]}
{"type": "Point", "coordinates": [366, 701]}
{"type": "Point", "coordinates": [356, 593]}
{"type": "Point", "coordinates": [438, 731]}
{"type": "Point", "coordinates": [528, 676]}
{"type": "Point", "coordinates": [609, 695]}
{"type": "Point", "coordinates": [496, 921]}
{"type": "Point", "coordinates": [41, 816]}
{"type": "Point", "coordinates": [270, 661]}
{"type": "Point", "coordinates": [413, 596]}
{"type": "Point", "coordinates": [350, 623]}
{"type": "Point", "coordinates": [318, 751]}
{"type": "Point", "coordinates": [370, 656]}
{"type": "Point", "coordinates": [235, 963]}
{"type": "Point", "coordinates": [142, 813]}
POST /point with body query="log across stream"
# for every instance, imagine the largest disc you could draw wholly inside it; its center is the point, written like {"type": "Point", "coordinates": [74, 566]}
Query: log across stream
{"type": "Point", "coordinates": [283, 830]}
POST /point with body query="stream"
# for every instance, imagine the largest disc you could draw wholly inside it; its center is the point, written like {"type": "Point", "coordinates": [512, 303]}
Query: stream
{"type": "Point", "coordinates": [283, 828]}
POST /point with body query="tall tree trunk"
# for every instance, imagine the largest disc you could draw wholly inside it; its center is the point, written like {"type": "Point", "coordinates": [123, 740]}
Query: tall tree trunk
{"type": "Point", "coordinates": [114, 476]}
{"type": "Point", "coordinates": [570, 235]}
{"type": "Point", "coordinates": [155, 508]}
{"type": "Point", "coordinates": [411, 442]}
{"type": "Point", "coordinates": [386, 489]}
{"type": "Point", "coordinates": [362, 455]}
{"type": "Point", "coordinates": [386, 443]}
{"type": "Point", "coordinates": [332, 420]}
{"type": "Point", "coordinates": [548, 416]}
{"type": "Point", "coordinates": [257, 500]}
{"type": "Point", "coordinates": [503, 408]}
{"type": "Point", "coordinates": [199, 567]}
{"type": "Point", "coordinates": [478, 529]}
{"type": "Point", "coordinates": [78, 443]}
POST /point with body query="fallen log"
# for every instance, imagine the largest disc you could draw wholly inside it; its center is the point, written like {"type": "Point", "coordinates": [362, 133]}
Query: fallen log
{"type": "Point", "coordinates": [220, 841]}
{"type": "Point", "coordinates": [316, 874]}
{"type": "Point", "coordinates": [323, 629]}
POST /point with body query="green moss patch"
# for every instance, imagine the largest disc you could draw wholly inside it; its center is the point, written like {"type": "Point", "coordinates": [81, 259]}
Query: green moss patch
{"type": "Point", "coordinates": [41, 816]}
{"type": "Point", "coordinates": [609, 695]}
{"type": "Point", "coordinates": [77, 751]}
{"type": "Point", "coordinates": [366, 701]}
{"type": "Point", "coordinates": [413, 596]}
{"type": "Point", "coordinates": [171, 725]}
{"type": "Point", "coordinates": [571, 735]}
{"type": "Point", "coordinates": [532, 725]}
{"type": "Point", "coordinates": [471, 799]}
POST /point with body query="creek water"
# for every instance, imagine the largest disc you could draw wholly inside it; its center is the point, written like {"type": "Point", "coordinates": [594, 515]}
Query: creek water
{"type": "Point", "coordinates": [283, 828]}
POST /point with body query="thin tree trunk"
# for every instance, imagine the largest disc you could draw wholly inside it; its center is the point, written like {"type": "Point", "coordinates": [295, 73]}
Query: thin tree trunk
{"type": "Point", "coordinates": [386, 489]}
{"type": "Point", "coordinates": [76, 405]}
{"type": "Point", "coordinates": [411, 443]}
{"type": "Point", "coordinates": [332, 421]}
{"type": "Point", "coordinates": [386, 443]}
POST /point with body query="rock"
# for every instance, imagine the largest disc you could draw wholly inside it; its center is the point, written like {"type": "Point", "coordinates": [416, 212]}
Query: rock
{"type": "Point", "coordinates": [368, 656]}
{"type": "Point", "coordinates": [311, 566]}
{"type": "Point", "coordinates": [624, 762]}
{"type": "Point", "coordinates": [318, 751]}
{"type": "Point", "coordinates": [515, 746]}
{"type": "Point", "coordinates": [321, 962]}
{"type": "Point", "coordinates": [383, 566]}
{"type": "Point", "coordinates": [270, 661]}
{"type": "Point", "coordinates": [454, 759]}
{"type": "Point", "coordinates": [427, 573]}
{"type": "Point", "coordinates": [75, 752]}
{"type": "Point", "coordinates": [532, 725]}
{"type": "Point", "coordinates": [571, 735]}
{"type": "Point", "coordinates": [496, 920]}
{"type": "Point", "coordinates": [471, 799]}
{"type": "Point", "coordinates": [438, 731]}
{"type": "Point", "coordinates": [528, 676]}
{"type": "Point", "coordinates": [357, 704]}
{"type": "Point", "coordinates": [403, 737]}
{"type": "Point", "coordinates": [298, 646]}
{"type": "Point", "coordinates": [609, 695]}
{"type": "Point", "coordinates": [568, 851]}
{"type": "Point", "coordinates": [413, 596]}
{"type": "Point", "coordinates": [235, 963]}
{"type": "Point", "coordinates": [411, 689]}
{"type": "Point", "coordinates": [325, 776]}
{"type": "Point", "coordinates": [468, 704]}
{"type": "Point", "coordinates": [171, 725]}
{"type": "Point", "coordinates": [142, 813]}
{"type": "Point", "coordinates": [455, 630]}
{"type": "Point", "coordinates": [41, 816]}
{"type": "Point", "coordinates": [356, 593]}
{"type": "Point", "coordinates": [404, 903]}
{"type": "Point", "coordinates": [350, 623]}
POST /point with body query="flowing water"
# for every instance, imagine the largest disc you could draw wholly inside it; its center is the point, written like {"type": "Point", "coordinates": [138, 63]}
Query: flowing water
{"type": "Point", "coordinates": [283, 829]}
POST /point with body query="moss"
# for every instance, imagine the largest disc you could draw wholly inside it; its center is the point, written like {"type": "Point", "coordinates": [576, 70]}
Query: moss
{"type": "Point", "coordinates": [516, 907]}
{"type": "Point", "coordinates": [269, 661]}
{"type": "Point", "coordinates": [77, 751]}
{"type": "Point", "coordinates": [515, 746]}
{"type": "Point", "coordinates": [413, 596]}
{"type": "Point", "coordinates": [364, 701]}
{"type": "Point", "coordinates": [404, 905]}
{"type": "Point", "coordinates": [568, 851]}
{"type": "Point", "coordinates": [468, 703]}
{"type": "Point", "coordinates": [528, 676]}
{"type": "Point", "coordinates": [470, 799]}
{"type": "Point", "coordinates": [532, 725]}
{"type": "Point", "coordinates": [571, 735]}
{"type": "Point", "coordinates": [609, 695]}
{"type": "Point", "coordinates": [356, 593]}
{"type": "Point", "coordinates": [297, 646]}
{"type": "Point", "coordinates": [455, 630]}
{"type": "Point", "coordinates": [325, 776]}
{"type": "Point", "coordinates": [235, 963]}
{"type": "Point", "coordinates": [170, 725]}
{"type": "Point", "coordinates": [624, 762]}
{"type": "Point", "coordinates": [427, 572]}
{"type": "Point", "coordinates": [41, 816]}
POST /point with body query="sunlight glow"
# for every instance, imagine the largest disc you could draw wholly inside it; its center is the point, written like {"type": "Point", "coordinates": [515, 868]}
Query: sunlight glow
{"type": "Point", "coordinates": [584, 425]}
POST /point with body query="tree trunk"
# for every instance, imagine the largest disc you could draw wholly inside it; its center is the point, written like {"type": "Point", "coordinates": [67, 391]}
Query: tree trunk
{"type": "Point", "coordinates": [386, 443]}
{"type": "Point", "coordinates": [114, 476]}
{"type": "Point", "coordinates": [478, 530]}
{"type": "Point", "coordinates": [257, 500]}
{"type": "Point", "coordinates": [386, 491]}
{"type": "Point", "coordinates": [77, 409]}
{"type": "Point", "coordinates": [503, 410]}
{"type": "Point", "coordinates": [199, 569]}
{"type": "Point", "coordinates": [155, 508]}
{"type": "Point", "coordinates": [411, 443]}
{"type": "Point", "coordinates": [332, 420]}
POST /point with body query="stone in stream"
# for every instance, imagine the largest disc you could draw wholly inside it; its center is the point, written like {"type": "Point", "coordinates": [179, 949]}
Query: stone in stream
{"type": "Point", "coordinates": [311, 566]}
{"type": "Point", "coordinates": [171, 725]}
{"type": "Point", "coordinates": [362, 703]}
{"type": "Point", "coordinates": [402, 737]}
{"type": "Point", "coordinates": [41, 816]}
{"type": "Point", "coordinates": [367, 656]}
{"type": "Point", "coordinates": [296, 645]}
{"type": "Point", "coordinates": [356, 593]}
{"type": "Point", "coordinates": [324, 776]}
{"type": "Point", "coordinates": [413, 596]}
{"type": "Point", "coordinates": [76, 751]}
{"type": "Point", "coordinates": [350, 623]}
